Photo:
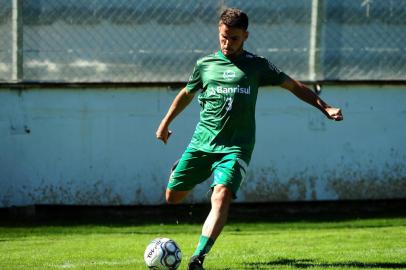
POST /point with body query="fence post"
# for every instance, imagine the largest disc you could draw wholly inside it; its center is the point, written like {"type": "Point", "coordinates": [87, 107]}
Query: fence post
{"type": "Point", "coordinates": [313, 40]}
{"type": "Point", "coordinates": [17, 40]}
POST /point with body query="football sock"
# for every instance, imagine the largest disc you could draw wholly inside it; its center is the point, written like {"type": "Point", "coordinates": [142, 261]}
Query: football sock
{"type": "Point", "coordinates": [204, 246]}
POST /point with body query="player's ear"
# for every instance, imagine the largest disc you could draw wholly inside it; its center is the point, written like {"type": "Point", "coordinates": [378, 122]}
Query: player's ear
{"type": "Point", "coordinates": [246, 34]}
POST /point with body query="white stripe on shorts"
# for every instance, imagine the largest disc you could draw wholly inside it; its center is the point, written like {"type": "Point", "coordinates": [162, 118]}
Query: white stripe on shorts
{"type": "Point", "coordinates": [243, 169]}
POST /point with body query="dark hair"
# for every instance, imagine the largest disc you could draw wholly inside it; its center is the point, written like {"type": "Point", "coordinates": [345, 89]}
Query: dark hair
{"type": "Point", "coordinates": [233, 17]}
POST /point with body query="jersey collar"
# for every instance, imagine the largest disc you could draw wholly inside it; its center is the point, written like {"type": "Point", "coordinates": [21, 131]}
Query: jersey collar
{"type": "Point", "coordinates": [222, 56]}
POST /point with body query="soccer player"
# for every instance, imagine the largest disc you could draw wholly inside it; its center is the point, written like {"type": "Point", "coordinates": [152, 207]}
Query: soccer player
{"type": "Point", "coordinates": [222, 144]}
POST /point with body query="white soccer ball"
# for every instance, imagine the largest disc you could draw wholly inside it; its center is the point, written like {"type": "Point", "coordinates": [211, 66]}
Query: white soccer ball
{"type": "Point", "coordinates": [163, 254]}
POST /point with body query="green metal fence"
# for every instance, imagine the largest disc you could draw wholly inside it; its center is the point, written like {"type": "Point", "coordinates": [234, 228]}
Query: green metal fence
{"type": "Point", "coordinates": [160, 40]}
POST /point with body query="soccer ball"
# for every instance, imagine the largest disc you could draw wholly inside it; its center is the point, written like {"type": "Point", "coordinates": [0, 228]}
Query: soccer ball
{"type": "Point", "coordinates": [163, 254]}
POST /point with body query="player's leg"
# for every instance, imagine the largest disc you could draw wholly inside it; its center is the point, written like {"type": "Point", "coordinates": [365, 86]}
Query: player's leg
{"type": "Point", "coordinates": [212, 227]}
{"type": "Point", "coordinates": [173, 196]}
{"type": "Point", "coordinates": [229, 172]}
{"type": "Point", "coordinates": [220, 204]}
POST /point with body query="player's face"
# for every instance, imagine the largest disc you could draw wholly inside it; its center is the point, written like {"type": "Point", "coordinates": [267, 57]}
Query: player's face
{"type": "Point", "coordinates": [232, 40]}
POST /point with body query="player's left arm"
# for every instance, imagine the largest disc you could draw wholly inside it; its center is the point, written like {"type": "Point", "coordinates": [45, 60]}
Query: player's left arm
{"type": "Point", "coordinates": [307, 95]}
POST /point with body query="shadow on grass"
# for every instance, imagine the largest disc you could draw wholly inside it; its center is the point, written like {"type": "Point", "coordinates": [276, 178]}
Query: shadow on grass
{"type": "Point", "coordinates": [313, 211]}
{"type": "Point", "coordinates": [307, 263]}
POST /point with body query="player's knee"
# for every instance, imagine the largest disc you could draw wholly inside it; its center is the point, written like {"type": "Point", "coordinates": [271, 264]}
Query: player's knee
{"type": "Point", "coordinates": [221, 196]}
{"type": "Point", "coordinates": [173, 197]}
{"type": "Point", "coordinates": [170, 198]}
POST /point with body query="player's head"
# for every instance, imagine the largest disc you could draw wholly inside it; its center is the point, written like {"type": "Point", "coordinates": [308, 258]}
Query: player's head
{"type": "Point", "coordinates": [233, 32]}
{"type": "Point", "coordinates": [233, 17]}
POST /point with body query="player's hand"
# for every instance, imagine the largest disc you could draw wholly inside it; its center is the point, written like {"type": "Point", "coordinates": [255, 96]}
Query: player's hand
{"type": "Point", "coordinates": [334, 114]}
{"type": "Point", "coordinates": [163, 134]}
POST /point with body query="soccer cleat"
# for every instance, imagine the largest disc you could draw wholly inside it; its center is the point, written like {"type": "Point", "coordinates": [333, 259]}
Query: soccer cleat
{"type": "Point", "coordinates": [195, 263]}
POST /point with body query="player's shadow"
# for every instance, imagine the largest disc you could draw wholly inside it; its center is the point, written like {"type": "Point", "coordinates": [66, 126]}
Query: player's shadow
{"type": "Point", "coordinates": [307, 263]}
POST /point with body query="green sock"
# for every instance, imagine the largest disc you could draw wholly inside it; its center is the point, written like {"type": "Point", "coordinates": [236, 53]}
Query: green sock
{"type": "Point", "coordinates": [204, 246]}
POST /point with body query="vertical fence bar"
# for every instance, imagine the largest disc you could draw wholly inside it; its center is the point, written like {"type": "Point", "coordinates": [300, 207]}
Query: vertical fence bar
{"type": "Point", "coordinates": [222, 5]}
{"type": "Point", "coordinates": [17, 40]}
{"type": "Point", "coordinates": [313, 40]}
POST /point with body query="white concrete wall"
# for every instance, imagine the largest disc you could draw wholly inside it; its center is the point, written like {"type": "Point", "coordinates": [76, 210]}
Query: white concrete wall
{"type": "Point", "coordinates": [98, 146]}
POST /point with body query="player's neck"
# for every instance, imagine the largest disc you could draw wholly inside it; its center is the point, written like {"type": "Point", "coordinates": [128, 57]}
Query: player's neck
{"type": "Point", "coordinates": [233, 56]}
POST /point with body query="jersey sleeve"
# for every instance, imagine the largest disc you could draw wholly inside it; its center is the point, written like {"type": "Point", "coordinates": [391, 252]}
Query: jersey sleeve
{"type": "Point", "coordinates": [195, 80]}
{"type": "Point", "coordinates": [271, 75]}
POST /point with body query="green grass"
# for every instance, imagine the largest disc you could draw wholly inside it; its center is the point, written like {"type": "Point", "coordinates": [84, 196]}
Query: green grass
{"type": "Point", "coordinates": [371, 243]}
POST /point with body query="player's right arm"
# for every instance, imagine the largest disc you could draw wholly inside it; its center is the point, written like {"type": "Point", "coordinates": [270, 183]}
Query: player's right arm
{"type": "Point", "coordinates": [181, 101]}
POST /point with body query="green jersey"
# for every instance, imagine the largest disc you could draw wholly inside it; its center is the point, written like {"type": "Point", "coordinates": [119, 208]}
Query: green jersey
{"type": "Point", "coordinates": [228, 96]}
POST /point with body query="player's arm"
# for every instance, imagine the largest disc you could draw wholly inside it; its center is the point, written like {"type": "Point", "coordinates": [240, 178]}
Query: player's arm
{"type": "Point", "coordinates": [181, 101]}
{"type": "Point", "coordinates": [307, 95]}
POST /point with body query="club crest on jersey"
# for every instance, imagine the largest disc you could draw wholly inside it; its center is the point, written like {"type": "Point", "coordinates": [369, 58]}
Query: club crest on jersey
{"type": "Point", "coordinates": [228, 75]}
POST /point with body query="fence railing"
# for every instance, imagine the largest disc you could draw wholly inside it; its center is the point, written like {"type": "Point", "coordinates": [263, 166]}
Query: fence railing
{"type": "Point", "coordinates": [160, 40]}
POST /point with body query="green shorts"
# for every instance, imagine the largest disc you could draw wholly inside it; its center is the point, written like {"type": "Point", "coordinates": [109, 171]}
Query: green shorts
{"type": "Point", "coordinates": [194, 167]}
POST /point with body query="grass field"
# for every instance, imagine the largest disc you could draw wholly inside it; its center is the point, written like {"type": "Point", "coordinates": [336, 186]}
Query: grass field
{"type": "Point", "coordinates": [370, 243]}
